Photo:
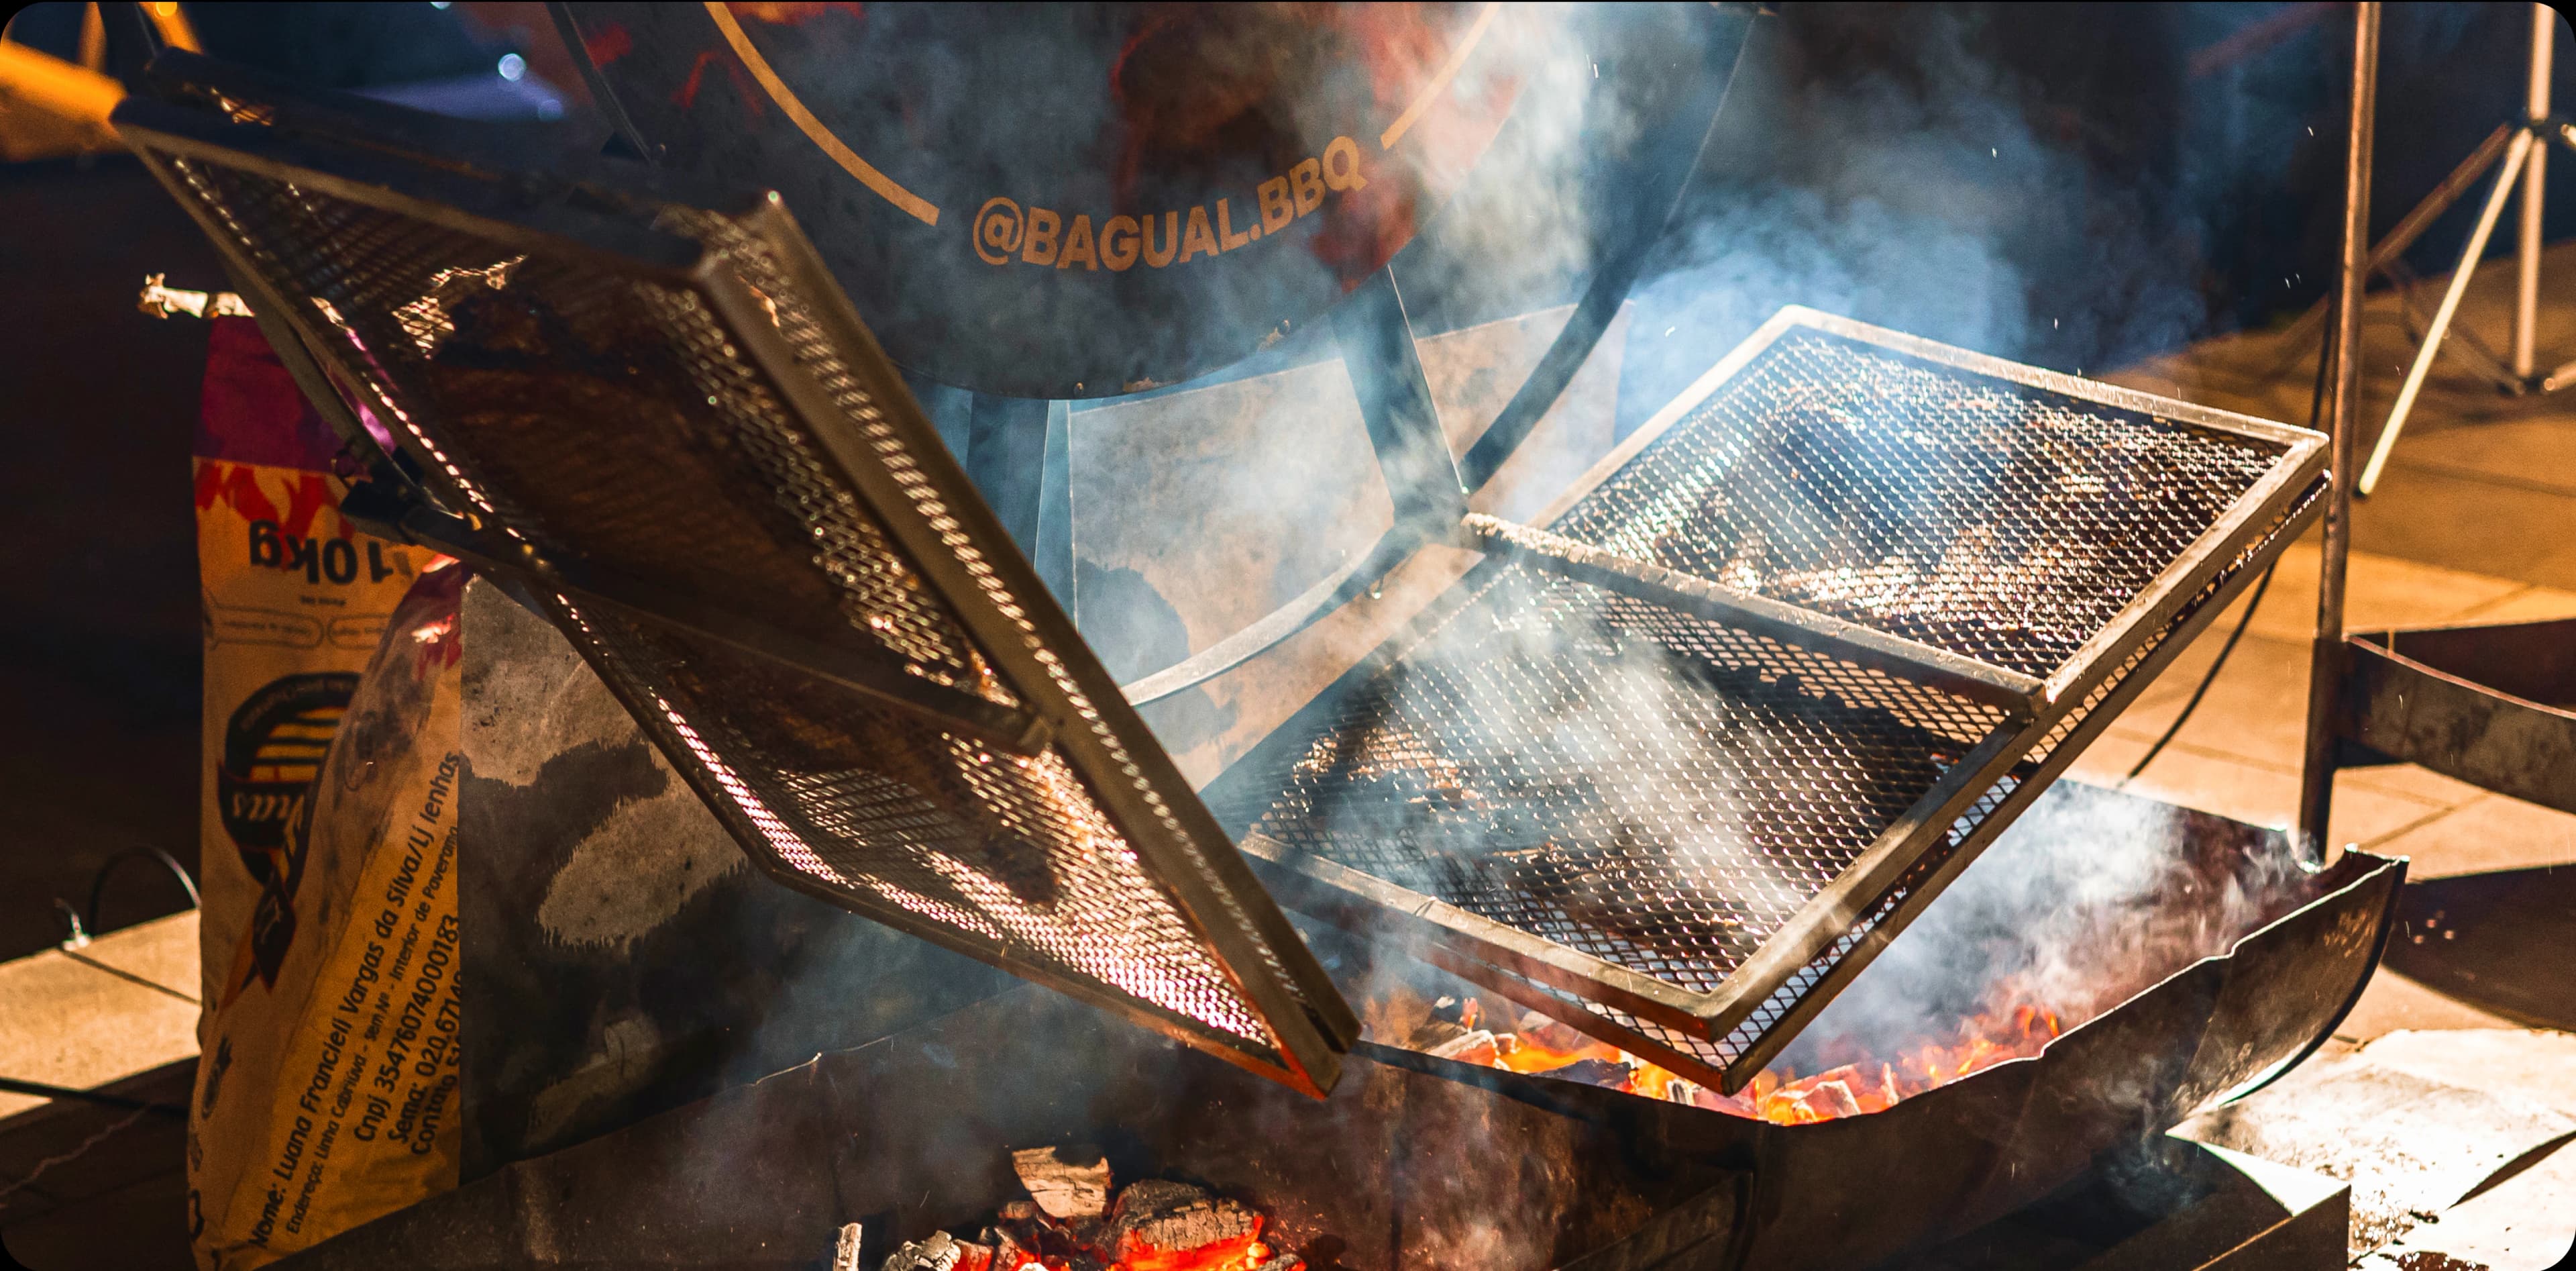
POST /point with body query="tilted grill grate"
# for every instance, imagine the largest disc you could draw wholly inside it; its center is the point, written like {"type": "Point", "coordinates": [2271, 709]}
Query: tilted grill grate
{"type": "Point", "coordinates": [1998, 521]}
{"type": "Point", "coordinates": [654, 417]}
{"type": "Point", "coordinates": [1687, 836]}
{"type": "Point", "coordinates": [1733, 1058]}
{"type": "Point", "coordinates": [1647, 787]}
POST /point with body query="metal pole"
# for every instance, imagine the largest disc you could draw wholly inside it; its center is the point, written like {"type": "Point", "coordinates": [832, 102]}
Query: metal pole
{"type": "Point", "coordinates": [2325, 673]}
{"type": "Point", "coordinates": [2535, 178]}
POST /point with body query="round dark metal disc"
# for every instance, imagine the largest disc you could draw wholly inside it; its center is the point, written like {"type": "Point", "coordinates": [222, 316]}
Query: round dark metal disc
{"type": "Point", "coordinates": [1082, 200]}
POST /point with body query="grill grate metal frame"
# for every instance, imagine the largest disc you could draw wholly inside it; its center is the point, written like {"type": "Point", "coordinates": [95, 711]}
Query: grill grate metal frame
{"type": "Point", "coordinates": [1695, 891]}
{"type": "Point", "coordinates": [652, 412]}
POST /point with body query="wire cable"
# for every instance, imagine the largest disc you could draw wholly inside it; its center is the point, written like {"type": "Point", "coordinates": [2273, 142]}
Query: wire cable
{"type": "Point", "coordinates": [2242, 622]}
{"type": "Point", "coordinates": [98, 881]}
{"type": "Point", "coordinates": [66, 1158]}
{"type": "Point", "coordinates": [2316, 408]}
{"type": "Point", "coordinates": [47, 1090]}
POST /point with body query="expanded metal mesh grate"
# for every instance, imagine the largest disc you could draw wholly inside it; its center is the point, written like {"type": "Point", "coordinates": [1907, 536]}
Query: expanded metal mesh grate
{"type": "Point", "coordinates": [592, 392]}
{"type": "Point", "coordinates": [1648, 787]}
{"type": "Point", "coordinates": [1733, 1058]}
{"type": "Point", "coordinates": [1995, 520]}
{"type": "Point", "coordinates": [1679, 830]}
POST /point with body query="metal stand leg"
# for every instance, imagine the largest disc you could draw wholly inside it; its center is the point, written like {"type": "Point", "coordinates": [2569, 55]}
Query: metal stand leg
{"type": "Point", "coordinates": [2325, 676]}
{"type": "Point", "coordinates": [2523, 148]}
{"type": "Point", "coordinates": [2535, 178]}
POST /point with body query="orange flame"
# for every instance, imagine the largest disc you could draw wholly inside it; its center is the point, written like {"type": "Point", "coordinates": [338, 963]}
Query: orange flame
{"type": "Point", "coordinates": [1778, 1094]}
{"type": "Point", "coordinates": [1246, 1252]}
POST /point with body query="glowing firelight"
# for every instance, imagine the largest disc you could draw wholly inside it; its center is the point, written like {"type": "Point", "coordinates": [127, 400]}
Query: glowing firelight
{"type": "Point", "coordinates": [1777, 1094]}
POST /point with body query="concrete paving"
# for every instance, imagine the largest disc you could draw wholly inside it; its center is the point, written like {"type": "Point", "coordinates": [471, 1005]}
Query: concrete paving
{"type": "Point", "coordinates": [123, 1005]}
{"type": "Point", "coordinates": [81, 1184]}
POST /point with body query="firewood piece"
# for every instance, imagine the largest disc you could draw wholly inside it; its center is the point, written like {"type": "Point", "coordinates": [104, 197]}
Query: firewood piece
{"type": "Point", "coordinates": [1833, 1099]}
{"type": "Point", "coordinates": [845, 1251]}
{"type": "Point", "coordinates": [941, 1252]}
{"type": "Point", "coordinates": [1466, 1013]}
{"type": "Point", "coordinates": [1024, 1226]}
{"type": "Point", "coordinates": [1067, 1182]}
{"type": "Point", "coordinates": [1551, 1033]}
{"type": "Point", "coordinates": [1433, 1035]}
{"type": "Point", "coordinates": [1478, 1047]}
{"type": "Point", "coordinates": [1594, 1072]}
{"type": "Point", "coordinates": [1161, 1215]}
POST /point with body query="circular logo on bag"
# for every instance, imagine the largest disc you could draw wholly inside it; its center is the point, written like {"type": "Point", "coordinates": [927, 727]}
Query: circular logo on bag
{"type": "Point", "coordinates": [273, 748]}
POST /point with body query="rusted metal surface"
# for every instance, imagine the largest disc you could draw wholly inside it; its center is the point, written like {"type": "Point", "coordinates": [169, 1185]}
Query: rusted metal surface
{"type": "Point", "coordinates": [914, 1134]}
{"type": "Point", "coordinates": [1415, 1161]}
{"type": "Point", "coordinates": [2342, 367]}
{"type": "Point", "coordinates": [2494, 706]}
{"type": "Point", "coordinates": [1858, 1190]}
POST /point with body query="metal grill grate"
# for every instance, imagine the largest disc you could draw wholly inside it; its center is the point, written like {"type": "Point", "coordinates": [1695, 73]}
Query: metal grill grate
{"type": "Point", "coordinates": [1731, 1060]}
{"type": "Point", "coordinates": [664, 427]}
{"type": "Point", "coordinates": [1685, 835]}
{"type": "Point", "coordinates": [1999, 521]}
{"type": "Point", "coordinates": [1647, 787]}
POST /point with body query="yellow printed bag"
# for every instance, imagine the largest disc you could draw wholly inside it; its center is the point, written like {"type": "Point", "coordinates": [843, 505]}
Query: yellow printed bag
{"type": "Point", "coordinates": [326, 1084]}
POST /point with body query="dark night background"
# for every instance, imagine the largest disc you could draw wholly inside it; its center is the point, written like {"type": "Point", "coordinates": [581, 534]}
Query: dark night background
{"type": "Point", "coordinates": [2195, 154]}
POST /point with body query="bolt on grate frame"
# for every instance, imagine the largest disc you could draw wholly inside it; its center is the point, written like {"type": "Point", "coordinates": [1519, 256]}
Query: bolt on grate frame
{"type": "Point", "coordinates": [1673, 767]}
{"type": "Point", "coordinates": [664, 427]}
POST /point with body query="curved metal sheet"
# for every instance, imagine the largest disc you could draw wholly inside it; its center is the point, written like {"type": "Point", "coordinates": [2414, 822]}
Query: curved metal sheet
{"type": "Point", "coordinates": [2489, 705]}
{"type": "Point", "coordinates": [1077, 200]}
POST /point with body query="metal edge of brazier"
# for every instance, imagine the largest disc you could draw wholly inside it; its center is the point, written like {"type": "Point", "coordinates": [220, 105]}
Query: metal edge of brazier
{"type": "Point", "coordinates": [2484, 704]}
{"type": "Point", "coordinates": [913, 1134]}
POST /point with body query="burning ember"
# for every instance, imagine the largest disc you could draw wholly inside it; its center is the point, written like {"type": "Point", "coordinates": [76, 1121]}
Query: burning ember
{"type": "Point", "coordinates": [1071, 1223]}
{"type": "Point", "coordinates": [1458, 1029]}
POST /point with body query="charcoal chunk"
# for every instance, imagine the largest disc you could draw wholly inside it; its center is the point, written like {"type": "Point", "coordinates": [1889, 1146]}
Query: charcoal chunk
{"type": "Point", "coordinates": [1067, 1182]}
{"type": "Point", "coordinates": [1594, 1072]}
{"type": "Point", "coordinates": [941, 1252]}
{"type": "Point", "coordinates": [1159, 1214]}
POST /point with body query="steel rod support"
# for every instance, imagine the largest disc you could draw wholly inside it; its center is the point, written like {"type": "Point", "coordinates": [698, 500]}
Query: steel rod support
{"type": "Point", "coordinates": [2558, 379]}
{"type": "Point", "coordinates": [2326, 661]}
{"type": "Point", "coordinates": [2011, 690]}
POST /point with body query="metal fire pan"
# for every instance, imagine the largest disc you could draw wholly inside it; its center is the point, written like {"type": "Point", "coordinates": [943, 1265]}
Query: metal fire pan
{"type": "Point", "coordinates": [1673, 763]}
{"type": "Point", "coordinates": [651, 414]}
{"type": "Point", "coordinates": [913, 1134]}
{"type": "Point", "coordinates": [1857, 1191]}
{"type": "Point", "coordinates": [1418, 1161]}
{"type": "Point", "coordinates": [2494, 706]}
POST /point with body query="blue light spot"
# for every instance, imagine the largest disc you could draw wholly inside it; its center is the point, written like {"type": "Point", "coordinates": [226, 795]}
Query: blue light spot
{"type": "Point", "coordinates": [513, 66]}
